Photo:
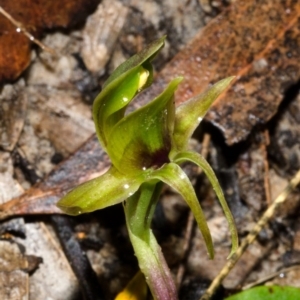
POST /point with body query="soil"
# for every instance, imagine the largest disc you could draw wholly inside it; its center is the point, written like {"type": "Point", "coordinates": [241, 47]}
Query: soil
{"type": "Point", "coordinates": [45, 117]}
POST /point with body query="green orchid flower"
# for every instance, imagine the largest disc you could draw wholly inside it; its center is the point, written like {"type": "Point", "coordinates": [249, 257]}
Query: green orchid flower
{"type": "Point", "coordinates": [146, 148]}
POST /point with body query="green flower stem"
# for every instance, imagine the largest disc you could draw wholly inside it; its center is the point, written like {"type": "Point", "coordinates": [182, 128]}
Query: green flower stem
{"type": "Point", "coordinates": [139, 210]}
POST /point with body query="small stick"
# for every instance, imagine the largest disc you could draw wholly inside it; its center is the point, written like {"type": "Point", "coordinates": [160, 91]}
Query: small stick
{"type": "Point", "coordinates": [205, 148]}
{"type": "Point", "coordinates": [21, 28]}
{"type": "Point", "coordinates": [186, 244]}
{"type": "Point", "coordinates": [80, 264]}
{"type": "Point", "coordinates": [251, 236]}
{"type": "Point", "coordinates": [190, 221]}
{"type": "Point", "coordinates": [139, 43]}
{"type": "Point", "coordinates": [266, 167]}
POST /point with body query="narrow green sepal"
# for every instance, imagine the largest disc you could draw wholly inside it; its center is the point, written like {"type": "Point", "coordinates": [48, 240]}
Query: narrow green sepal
{"type": "Point", "coordinates": [109, 189]}
{"type": "Point", "coordinates": [142, 140]}
{"type": "Point", "coordinates": [125, 82]}
{"type": "Point", "coordinates": [191, 112]}
{"type": "Point", "coordinates": [199, 160]}
{"type": "Point", "coordinates": [174, 176]}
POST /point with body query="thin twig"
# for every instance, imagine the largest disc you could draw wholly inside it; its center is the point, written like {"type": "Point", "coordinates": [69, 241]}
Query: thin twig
{"type": "Point", "coordinates": [186, 244]}
{"type": "Point", "coordinates": [266, 167]}
{"type": "Point", "coordinates": [251, 236]}
{"type": "Point", "coordinates": [205, 148]}
{"type": "Point", "coordinates": [190, 221]}
{"type": "Point", "coordinates": [139, 43]}
{"type": "Point", "coordinates": [21, 28]}
{"type": "Point", "coordinates": [80, 264]}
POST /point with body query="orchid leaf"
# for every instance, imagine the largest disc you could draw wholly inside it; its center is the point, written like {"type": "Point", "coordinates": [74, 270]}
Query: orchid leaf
{"type": "Point", "coordinates": [191, 112]}
{"type": "Point", "coordinates": [118, 91]}
{"type": "Point", "coordinates": [142, 139]}
{"type": "Point", "coordinates": [109, 189]}
{"type": "Point", "coordinates": [199, 160]}
{"type": "Point", "coordinates": [271, 292]}
{"type": "Point", "coordinates": [174, 176]}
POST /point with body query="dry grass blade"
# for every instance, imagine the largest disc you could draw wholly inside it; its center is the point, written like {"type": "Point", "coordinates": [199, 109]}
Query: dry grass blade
{"type": "Point", "coordinates": [266, 166]}
{"type": "Point", "coordinates": [21, 28]}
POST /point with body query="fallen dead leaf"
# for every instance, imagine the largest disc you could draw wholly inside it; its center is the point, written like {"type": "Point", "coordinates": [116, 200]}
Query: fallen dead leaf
{"type": "Point", "coordinates": [36, 16]}
{"type": "Point", "coordinates": [264, 58]}
{"type": "Point", "coordinates": [88, 162]}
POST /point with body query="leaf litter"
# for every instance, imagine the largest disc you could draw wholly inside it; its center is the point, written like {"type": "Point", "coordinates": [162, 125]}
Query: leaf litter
{"type": "Point", "coordinates": [240, 166]}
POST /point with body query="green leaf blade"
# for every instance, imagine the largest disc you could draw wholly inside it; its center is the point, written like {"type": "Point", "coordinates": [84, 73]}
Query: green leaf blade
{"type": "Point", "coordinates": [268, 293]}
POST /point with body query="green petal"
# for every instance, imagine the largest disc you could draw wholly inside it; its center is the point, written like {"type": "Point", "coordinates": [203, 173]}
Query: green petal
{"type": "Point", "coordinates": [203, 164]}
{"type": "Point", "coordinates": [142, 139]}
{"type": "Point", "coordinates": [109, 189]}
{"type": "Point", "coordinates": [190, 113]}
{"type": "Point", "coordinates": [174, 176]}
{"type": "Point", "coordinates": [124, 83]}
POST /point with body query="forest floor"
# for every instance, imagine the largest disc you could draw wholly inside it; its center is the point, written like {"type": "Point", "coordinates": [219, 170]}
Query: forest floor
{"type": "Point", "coordinates": [251, 138]}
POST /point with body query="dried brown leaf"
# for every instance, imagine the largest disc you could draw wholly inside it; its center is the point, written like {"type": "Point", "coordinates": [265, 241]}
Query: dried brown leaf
{"type": "Point", "coordinates": [36, 16]}
{"type": "Point", "coordinates": [259, 42]}
{"type": "Point", "coordinates": [88, 162]}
